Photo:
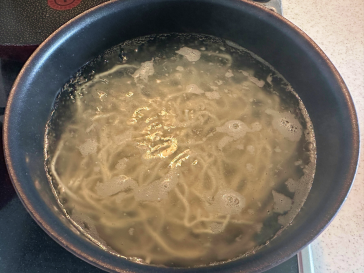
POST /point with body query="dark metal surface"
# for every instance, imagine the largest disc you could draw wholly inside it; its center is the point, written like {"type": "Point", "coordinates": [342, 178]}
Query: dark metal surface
{"type": "Point", "coordinates": [29, 22]}
{"type": "Point", "coordinates": [263, 32]}
{"type": "Point", "coordinates": [24, 246]}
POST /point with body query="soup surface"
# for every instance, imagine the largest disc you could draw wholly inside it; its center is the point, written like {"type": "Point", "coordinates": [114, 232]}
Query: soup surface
{"type": "Point", "coordinates": [179, 150]}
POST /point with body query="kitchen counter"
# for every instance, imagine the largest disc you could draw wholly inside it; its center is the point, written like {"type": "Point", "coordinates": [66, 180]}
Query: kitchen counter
{"type": "Point", "coordinates": [337, 26]}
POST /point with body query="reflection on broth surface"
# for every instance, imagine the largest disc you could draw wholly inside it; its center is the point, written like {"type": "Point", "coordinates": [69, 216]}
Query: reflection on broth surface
{"type": "Point", "coordinates": [179, 150]}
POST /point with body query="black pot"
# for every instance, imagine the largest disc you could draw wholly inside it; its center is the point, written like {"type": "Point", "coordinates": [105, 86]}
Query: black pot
{"type": "Point", "coordinates": [259, 30]}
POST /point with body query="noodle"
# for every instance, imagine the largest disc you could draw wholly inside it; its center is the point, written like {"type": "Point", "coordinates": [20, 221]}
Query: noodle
{"type": "Point", "coordinates": [173, 155]}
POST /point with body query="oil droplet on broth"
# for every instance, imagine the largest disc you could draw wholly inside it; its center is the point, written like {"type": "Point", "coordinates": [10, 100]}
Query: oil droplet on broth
{"type": "Point", "coordinates": [179, 154]}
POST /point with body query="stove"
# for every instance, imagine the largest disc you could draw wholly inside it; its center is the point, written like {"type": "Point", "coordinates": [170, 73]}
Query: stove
{"type": "Point", "coordinates": [24, 246]}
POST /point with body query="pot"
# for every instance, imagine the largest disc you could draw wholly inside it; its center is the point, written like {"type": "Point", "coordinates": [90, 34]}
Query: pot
{"type": "Point", "coordinates": [289, 50]}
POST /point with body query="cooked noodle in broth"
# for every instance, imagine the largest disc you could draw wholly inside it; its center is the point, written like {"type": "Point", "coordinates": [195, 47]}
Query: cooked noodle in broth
{"type": "Point", "coordinates": [180, 151]}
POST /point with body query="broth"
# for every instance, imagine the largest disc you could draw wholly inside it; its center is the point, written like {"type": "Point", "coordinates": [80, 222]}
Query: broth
{"type": "Point", "coordinates": [180, 150]}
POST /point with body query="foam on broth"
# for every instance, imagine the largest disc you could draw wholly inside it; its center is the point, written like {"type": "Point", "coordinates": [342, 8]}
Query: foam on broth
{"type": "Point", "coordinates": [179, 150]}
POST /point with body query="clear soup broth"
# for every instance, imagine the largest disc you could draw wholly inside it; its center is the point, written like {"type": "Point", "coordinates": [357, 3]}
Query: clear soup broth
{"type": "Point", "coordinates": [180, 151]}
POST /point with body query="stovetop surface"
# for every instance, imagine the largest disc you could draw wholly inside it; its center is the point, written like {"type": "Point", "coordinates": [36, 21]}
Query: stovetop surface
{"type": "Point", "coordinates": [36, 20]}
{"type": "Point", "coordinates": [24, 246]}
